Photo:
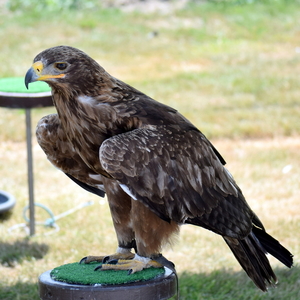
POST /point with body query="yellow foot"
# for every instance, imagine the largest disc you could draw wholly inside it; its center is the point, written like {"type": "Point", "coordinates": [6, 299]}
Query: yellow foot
{"type": "Point", "coordinates": [133, 265]}
{"type": "Point", "coordinates": [124, 254]}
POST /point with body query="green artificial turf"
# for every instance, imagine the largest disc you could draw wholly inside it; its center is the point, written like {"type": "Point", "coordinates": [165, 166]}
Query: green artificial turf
{"type": "Point", "coordinates": [17, 85]}
{"type": "Point", "coordinates": [76, 273]}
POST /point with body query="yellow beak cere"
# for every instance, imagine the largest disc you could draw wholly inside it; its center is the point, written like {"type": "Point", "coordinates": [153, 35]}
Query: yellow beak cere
{"type": "Point", "coordinates": [35, 74]}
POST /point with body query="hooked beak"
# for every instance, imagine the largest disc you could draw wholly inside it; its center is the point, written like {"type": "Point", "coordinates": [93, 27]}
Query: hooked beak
{"type": "Point", "coordinates": [35, 73]}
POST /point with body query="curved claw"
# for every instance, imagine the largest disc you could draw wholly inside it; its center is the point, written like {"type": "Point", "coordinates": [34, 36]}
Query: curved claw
{"type": "Point", "coordinates": [83, 260]}
{"type": "Point", "coordinates": [113, 261]}
{"type": "Point", "coordinates": [98, 268]}
{"type": "Point", "coordinates": [105, 259]}
{"type": "Point", "coordinates": [90, 258]}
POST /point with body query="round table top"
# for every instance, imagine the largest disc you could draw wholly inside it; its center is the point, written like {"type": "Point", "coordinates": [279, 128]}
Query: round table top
{"type": "Point", "coordinates": [13, 94]}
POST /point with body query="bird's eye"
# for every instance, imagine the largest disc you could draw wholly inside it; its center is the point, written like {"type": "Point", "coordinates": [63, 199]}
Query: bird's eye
{"type": "Point", "coordinates": [61, 66]}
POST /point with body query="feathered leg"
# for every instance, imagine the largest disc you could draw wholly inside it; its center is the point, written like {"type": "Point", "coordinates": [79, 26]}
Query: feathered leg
{"type": "Point", "coordinates": [150, 236]}
{"type": "Point", "coordinates": [120, 207]}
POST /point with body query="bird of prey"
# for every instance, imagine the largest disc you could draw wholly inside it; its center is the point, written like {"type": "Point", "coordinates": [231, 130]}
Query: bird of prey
{"type": "Point", "coordinates": [156, 168]}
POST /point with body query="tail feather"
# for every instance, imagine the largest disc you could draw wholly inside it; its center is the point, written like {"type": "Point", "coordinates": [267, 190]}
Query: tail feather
{"type": "Point", "coordinates": [273, 247]}
{"type": "Point", "coordinates": [251, 254]}
{"type": "Point", "coordinates": [252, 258]}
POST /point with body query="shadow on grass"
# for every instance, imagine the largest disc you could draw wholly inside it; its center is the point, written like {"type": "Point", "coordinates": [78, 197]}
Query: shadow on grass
{"type": "Point", "coordinates": [5, 216]}
{"type": "Point", "coordinates": [15, 252]}
{"type": "Point", "coordinates": [20, 291]}
{"type": "Point", "coordinates": [226, 284]}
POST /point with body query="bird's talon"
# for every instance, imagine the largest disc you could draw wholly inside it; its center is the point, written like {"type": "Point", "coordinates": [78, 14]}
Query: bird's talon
{"type": "Point", "coordinates": [113, 261]}
{"type": "Point", "coordinates": [105, 259]}
{"type": "Point", "coordinates": [83, 260]}
{"type": "Point", "coordinates": [98, 268]}
{"type": "Point", "coordinates": [129, 272]}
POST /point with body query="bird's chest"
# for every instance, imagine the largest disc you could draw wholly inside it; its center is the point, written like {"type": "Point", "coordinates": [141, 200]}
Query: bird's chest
{"type": "Point", "coordinates": [87, 146]}
{"type": "Point", "coordinates": [87, 124]}
{"type": "Point", "coordinates": [86, 138]}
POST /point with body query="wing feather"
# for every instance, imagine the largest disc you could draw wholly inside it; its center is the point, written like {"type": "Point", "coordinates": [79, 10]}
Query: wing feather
{"type": "Point", "coordinates": [178, 175]}
{"type": "Point", "coordinates": [61, 154]}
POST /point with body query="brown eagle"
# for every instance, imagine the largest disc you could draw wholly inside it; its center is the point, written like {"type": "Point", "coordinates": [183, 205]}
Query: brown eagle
{"type": "Point", "coordinates": [157, 169]}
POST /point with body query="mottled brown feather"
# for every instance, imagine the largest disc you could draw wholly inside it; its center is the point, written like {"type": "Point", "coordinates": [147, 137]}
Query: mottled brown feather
{"type": "Point", "coordinates": [60, 152]}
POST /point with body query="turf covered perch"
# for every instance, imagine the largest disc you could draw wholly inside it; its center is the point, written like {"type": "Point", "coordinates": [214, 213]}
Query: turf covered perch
{"type": "Point", "coordinates": [78, 281]}
{"type": "Point", "coordinates": [77, 273]}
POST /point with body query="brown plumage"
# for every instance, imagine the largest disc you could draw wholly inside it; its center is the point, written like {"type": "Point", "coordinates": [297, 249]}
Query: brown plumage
{"type": "Point", "coordinates": [157, 169]}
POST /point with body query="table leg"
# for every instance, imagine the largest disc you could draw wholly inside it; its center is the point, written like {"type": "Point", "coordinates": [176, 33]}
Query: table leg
{"type": "Point", "coordinates": [30, 173]}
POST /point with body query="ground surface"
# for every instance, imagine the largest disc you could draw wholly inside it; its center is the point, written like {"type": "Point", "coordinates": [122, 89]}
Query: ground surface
{"type": "Point", "coordinates": [233, 70]}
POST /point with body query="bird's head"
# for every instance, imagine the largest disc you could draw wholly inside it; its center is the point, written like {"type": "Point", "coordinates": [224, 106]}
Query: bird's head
{"type": "Point", "coordinates": [62, 65]}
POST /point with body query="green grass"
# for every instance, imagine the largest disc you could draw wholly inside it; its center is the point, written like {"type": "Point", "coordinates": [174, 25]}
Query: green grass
{"type": "Point", "coordinates": [231, 68]}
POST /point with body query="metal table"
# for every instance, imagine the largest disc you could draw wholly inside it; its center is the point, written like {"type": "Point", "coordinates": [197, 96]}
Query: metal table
{"type": "Point", "coordinates": [21, 99]}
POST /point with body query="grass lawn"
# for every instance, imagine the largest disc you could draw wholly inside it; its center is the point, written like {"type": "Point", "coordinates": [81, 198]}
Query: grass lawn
{"type": "Point", "coordinates": [231, 67]}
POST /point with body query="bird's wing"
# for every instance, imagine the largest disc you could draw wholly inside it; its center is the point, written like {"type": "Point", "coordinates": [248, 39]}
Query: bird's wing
{"type": "Point", "coordinates": [61, 154]}
{"type": "Point", "coordinates": [178, 175]}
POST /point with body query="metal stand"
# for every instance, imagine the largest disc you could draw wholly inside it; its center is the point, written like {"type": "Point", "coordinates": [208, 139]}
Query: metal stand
{"type": "Point", "coordinates": [30, 173]}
